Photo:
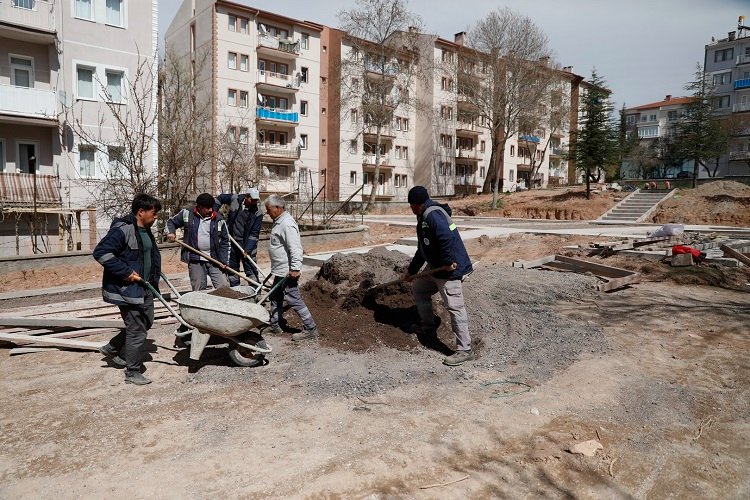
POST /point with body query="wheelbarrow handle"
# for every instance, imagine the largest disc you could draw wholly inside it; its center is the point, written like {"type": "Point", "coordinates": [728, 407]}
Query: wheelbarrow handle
{"type": "Point", "coordinates": [273, 289]}
{"type": "Point", "coordinates": [163, 301]}
{"type": "Point", "coordinates": [221, 265]}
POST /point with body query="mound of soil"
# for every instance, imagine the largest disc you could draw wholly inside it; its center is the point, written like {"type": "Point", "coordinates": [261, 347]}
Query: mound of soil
{"type": "Point", "coordinates": [725, 203]}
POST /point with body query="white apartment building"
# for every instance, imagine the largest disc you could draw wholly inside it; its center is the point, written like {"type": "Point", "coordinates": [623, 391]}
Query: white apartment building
{"type": "Point", "coordinates": [60, 58]}
{"type": "Point", "coordinates": [264, 80]}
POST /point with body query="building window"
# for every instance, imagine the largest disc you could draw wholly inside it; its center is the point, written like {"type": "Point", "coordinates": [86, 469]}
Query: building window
{"type": "Point", "coordinates": [114, 12]}
{"type": "Point", "coordinates": [305, 43]}
{"type": "Point", "coordinates": [397, 181]}
{"type": "Point", "coordinates": [114, 86]}
{"type": "Point", "coordinates": [404, 180]}
{"type": "Point", "coordinates": [232, 97]}
{"type": "Point", "coordinates": [511, 176]}
{"type": "Point", "coordinates": [481, 172]}
{"type": "Point", "coordinates": [721, 102]}
{"type": "Point", "coordinates": [243, 98]}
{"type": "Point", "coordinates": [232, 23]}
{"type": "Point", "coordinates": [723, 78]}
{"type": "Point", "coordinates": [243, 135]}
{"type": "Point", "coordinates": [303, 141]}
{"type": "Point", "coordinates": [352, 177]}
{"type": "Point", "coordinates": [303, 76]}
{"type": "Point", "coordinates": [482, 146]}
{"type": "Point", "coordinates": [512, 150]}
{"type": "Point", "coordinates": [724, 55]}
{"type": "Point", "coordinates": [630, 120]}
{"type": "Point", "coordinates": [444, 84]}
{"type": "Point", "coordinates": [115, 156]}
{"type": "Point", "coordinates": [652, 118]}
{"type": "Point", "coordinates": [303, 108]}
{"type": "Point", "coordinates": [21, 72]}
{"type": "Point", "coordinates": [85, 82]}
{"type": "Point", "coordinates": [672, 116]}
{"type": "Point", "coordinates": [405, 152]}
{"type": "Point", "coordinates": [2, 155]}
{"type": "Point", "coordinates": [232, 133]}
{"type": "Point", "coordinates": [83, 9]}
{"type": "Point", "coordinates": [244, 62]}
{"type": "Point", "coordinates": [87, 160]}
{"type": "Point", "coordinates": [232, 60]}
{"type": "Point", "coordinates": [354, 116]}
{"type": "Point", "coordinates": [243, 25]}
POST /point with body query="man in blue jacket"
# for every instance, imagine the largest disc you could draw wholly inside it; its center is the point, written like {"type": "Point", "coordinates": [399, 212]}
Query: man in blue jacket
{"type": "Point", "coordinates": [205, 230]}
{"type": "Point", "coordinates": [440, 246]}
{"type": "Point", "coordinates": [129, 254]}
{"type": "Point", "coordinates": [244, 221]}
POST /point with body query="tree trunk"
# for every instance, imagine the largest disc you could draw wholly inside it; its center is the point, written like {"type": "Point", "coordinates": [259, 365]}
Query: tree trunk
{"type": "Point", "coordinates": [588, 183]}
{"type": "Point", "coordinates": [376, 175]}
{"type": "Point", "coordinates": [696, 167]}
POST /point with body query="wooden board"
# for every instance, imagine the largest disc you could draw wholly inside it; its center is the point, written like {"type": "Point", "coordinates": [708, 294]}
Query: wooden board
{"type": "Point", "coordinates": [62, 322]}
{"type": "Point", "coordinates": [46, 340]}
{"type": "Point", "coordinates": [735, 254]}
{"type": "Point", "coordinates": [597, 269]}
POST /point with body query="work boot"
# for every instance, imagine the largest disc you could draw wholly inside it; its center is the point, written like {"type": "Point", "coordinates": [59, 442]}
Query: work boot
{"type": "Point", "coordinates": [459, 358]}
{"type": "Point", "coordinates": [275, 329]}
{"type": "Point", "coordinates": [306, 334]}
{"type": "Point", "coordinates": [119, 362]}
{"type": "Point", "coordinates": [136, 378]}
{"type": "Point", "coordinates": [108, 350]}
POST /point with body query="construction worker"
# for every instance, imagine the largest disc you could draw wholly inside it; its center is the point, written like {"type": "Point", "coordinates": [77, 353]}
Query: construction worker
{"type": "Point", "coordinates": [244, 221]}
{"type": "Point", "coordinates": [285, 250]}
{"type": "Point", "coordinates": [205, 230]}
{"type": "Point", "coordinates": [440, 246]}
{"type": "Point", "coordinates": [129, 254]}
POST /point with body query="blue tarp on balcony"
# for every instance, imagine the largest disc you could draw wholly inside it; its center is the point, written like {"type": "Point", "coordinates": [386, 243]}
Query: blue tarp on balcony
{"type": "Point", "coordinates": [742, 84]}
{"type": "Point", "coordinates": [270, 114]}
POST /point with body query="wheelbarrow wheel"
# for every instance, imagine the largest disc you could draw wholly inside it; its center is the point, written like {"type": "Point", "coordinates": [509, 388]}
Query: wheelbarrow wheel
{"type": "Point", "coordinates": [245, 357]}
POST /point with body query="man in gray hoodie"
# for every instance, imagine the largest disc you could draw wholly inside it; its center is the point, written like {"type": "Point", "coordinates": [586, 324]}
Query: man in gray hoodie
{"type": "Point", "coordinates": [285, 250]}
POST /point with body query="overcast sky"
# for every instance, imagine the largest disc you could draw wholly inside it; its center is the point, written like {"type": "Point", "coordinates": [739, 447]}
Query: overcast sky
{"type": "Point", "coordinates": [645, 49]}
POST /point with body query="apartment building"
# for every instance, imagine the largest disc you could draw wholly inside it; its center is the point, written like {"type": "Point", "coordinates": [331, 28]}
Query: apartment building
{"type": "Point", "coordinates": [58, 59]}
{"type": "Point", "coordinates": [650, 122]}
{"type": "Point", "coordinates": [264, 79]}
{"type": "Point", "coordinates": [727, 64]}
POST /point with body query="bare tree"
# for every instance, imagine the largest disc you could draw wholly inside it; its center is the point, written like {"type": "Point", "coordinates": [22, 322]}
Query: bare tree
{"type": "Point", "coordinates": [184, 130]}
{"type": "Point", "coordinates": [382, 49]}
{"type": "Point", "coordinates": [235, 159]}
{"type": "Point", "coordinates": [507, 48]}
{"type": "Point", "coordinates": [123, 130]}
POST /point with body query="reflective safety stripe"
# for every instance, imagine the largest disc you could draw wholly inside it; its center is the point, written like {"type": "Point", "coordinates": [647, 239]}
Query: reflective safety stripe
{"type": "Point", "coordinates": [107, 256]}
{"type": "Point", "coordinates": [452, 227]}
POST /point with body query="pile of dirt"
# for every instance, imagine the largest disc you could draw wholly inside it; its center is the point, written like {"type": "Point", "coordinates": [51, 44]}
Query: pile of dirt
{"type": "Point", "coordinates": [724, 203]}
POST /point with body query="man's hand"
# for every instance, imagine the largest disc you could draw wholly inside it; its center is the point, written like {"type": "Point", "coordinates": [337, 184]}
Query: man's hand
{"type": "Point", "coordinates": [171, 237]}
{"type": "Point", "coordinates": [133, 278]}
{"type": "Point", "coordinates": [294, 274]}
{"type": "Point", "coordinates": [454, 266]}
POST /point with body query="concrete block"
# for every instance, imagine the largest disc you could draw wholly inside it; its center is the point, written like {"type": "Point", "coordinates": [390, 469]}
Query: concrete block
{"type": "Point", "coordinates": [682, 260]}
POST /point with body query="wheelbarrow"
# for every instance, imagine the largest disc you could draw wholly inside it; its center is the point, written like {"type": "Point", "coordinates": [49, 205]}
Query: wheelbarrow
{"type": "Point", "coordinates": [232, 319]}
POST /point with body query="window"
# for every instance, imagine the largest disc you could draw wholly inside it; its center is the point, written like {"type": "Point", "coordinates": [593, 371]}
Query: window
{"type": "Point", "coordinates": [85, 82]}
{"type": "Point", "coordinates": [630, 120]}
{"type": "Point", "coordinates": [114, 86]}
{"type": "Point", "coordinates": [21, 72]}
{"type": "Point", "coordinates": [397, 181]}
{"type": "Point", "coordinates": [114, 12]}
{"type": "Point", "coordinates": [404, 180]}
{"type": "Point", "coordinates": [24, 4]}
{"type": "Point", "coordinates": [652, 117]}
{"type": "Point", "coordinates": [232, 60]}
{"type": "Point", "coordinates": [86, 160]}
{"type": "Point", "coordinates": [244, 62]}
{"type": "Point", "coordinates": [354, 115]}
{"type": "Point", "coordinates": [722, 78]}
{"type": "Point", "coordinates": [243, 135]}
{"type": "Point", "coordinates": [243, 98]}
{"type": "Point", "coordinates": [672, 116]}
{"type": "Point", "coordinates": [303, 76]}
{"type": "Point", "coordinates": [405, 124]}
{"type": "Point", "coordinates": [444, 84]}
{"type": "Point", "coordinates": [648, 132]}
{"type": "Point", "coordinates": [232, 133]}
{"type": "Point", "coordinates": [303, 141]}
{"type": "Point", "coordinates": [512, 150]}
{"type": "Point", "coordinates": [83, 9]}
{"type": "Point", "coordinates": [355, 83]}
{"type": "Point", "coordinates": [398, 123]}
{"type": "Point", "coordinates": [303, 108]}
{"type": "Point", "coordinates": [353, 146]}
{"type": "Point", "coordinates": [114, 159]}
{"type": "Point", "coordinates": [724, 55]}
{"type": "Point", "coordinates": [405, 153]}
{"type": "Point", "coordinates": [511, 176]}
{"type": "Point", "coordinates": [481, 172]}
{"type": "Point", "coordinates": [482, 146]}
{"type": "Point", "coordinates": [721, 102]}
{"type": "Point", "coordinates": [232, 23]}
{"type": "Point", "coordinates": [352, 177]}
{"type": "Point", "coordinates": [305, 43]}
{"type": "Point", "coordinates": [232, 97]}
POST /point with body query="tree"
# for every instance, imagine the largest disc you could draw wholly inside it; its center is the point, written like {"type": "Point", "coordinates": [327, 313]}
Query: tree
{"type": "Point", "coordinates": [507, 47]}
{"type": "Point", "coordinates": [597, 139]}
{"type": "Point", "coordinates": [700, 135]}
{"type": "Point", "coordinates": [377, 69]}
{"type": "Point", "coordinates": [123, 130]}
{"type": "Point", "coordinates": [184, 130]}
{"type": "Point", "coordinates": [236, 162]}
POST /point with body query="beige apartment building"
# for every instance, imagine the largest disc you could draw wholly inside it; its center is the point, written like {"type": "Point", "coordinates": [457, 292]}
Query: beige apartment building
{"type": "Point", "coordinates": [58, 59]}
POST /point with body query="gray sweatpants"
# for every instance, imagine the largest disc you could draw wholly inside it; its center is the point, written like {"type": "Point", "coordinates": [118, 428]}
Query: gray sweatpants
{"type": "Point", "coordinates": [453, 297]}
{"type": "Point", "coordinates": [138, 319]}
{"type": "Point", "coordinates": [199, 273]}
{"type": "Point", "coordinates": [289, 291]}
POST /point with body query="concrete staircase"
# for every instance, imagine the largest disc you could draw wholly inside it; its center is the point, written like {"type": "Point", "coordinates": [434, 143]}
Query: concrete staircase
{"type": "Point", "coordinates": [636, 207]}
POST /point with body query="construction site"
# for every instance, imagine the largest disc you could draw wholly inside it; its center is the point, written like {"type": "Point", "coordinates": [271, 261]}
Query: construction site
{"type": "Point", "coordinates": [610, 363]}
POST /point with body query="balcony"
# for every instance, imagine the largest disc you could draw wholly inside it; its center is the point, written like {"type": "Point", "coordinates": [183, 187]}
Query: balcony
{"type": "Point", "coordinates": [21, 190]}
{"type": "Point", "coordinates": [739, 108]}
{"type": "Point", "coordinates": [469, 154]}
{"type": "Point", "coordinates": [369, 160]}
{"type": "Point", "coordinates": [385, 132]}
{"type": "Point", "coordinates": [529, 138]}
{"type": "Point", "coordinates": [273, 115]}
{"type": "Point", "coordinates": [377, 69]}
{"type": "Point", "coordinates": [383, 191]}
{"type": "Point", "coordinates": [272, 46]}
{"type": "Point", "coordinates": [466, 128]}
{"type": "Point", "coordinates": [556, 151]}
{"type": "Point", "coordinates": [287, 151]}
{"type": "Point", "coordinates": [28, 20]}
{"type": "Point", "coordinates": [28, 105]}
{"type": "Point", "coordinates": [276, 82]}
{"type": "Point", "coordinates": [743, 59]}
{"type": "Point", "coordinates": [739, 155]}
{"type": "Point", "coordinates": [742, 84]}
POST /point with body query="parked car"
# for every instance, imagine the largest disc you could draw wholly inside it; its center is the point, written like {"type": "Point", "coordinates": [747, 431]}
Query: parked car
{"type": "Point", "coordinates": [683, 175]}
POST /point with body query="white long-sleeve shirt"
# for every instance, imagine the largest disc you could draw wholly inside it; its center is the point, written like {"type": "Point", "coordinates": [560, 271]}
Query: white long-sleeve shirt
{"type": "Point", "coordinates": [285, 246]}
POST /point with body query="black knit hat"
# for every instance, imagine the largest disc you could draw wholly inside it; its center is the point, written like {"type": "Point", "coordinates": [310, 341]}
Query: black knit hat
{"type": "Point", "coordinates": [418, 195]}
{"type": "Point", "coordinates": [205, 200]}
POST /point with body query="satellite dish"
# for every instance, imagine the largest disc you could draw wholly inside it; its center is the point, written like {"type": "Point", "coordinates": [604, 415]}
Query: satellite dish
{"type": "Point", "coordinates": [260, 98]}
{"type": "Point", "coordinates": [263, 28]}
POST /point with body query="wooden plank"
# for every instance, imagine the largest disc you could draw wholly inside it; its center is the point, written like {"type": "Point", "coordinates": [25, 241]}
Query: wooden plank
{"type": "Point", "coordinates": [72, 344]}
{"type": "Point", "coordinates": [88, 332]}
{"type": "Point", "coordinates": [598, 269]}
{"type": "Point", "coordinates": [62, 322]}
{"type": "Point", "coordinates": [28, 350]}
{"type": "Point", "coordinates": [528, 264]}
{"type": "Point", "coordinates": [731, 252]}
{"type": "Point", "coordinates": [618, 282]}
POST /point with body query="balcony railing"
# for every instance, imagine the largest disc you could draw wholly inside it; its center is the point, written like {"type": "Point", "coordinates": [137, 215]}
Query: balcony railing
{"type": "Point", "coordinates": [28, 102]}
{"type": "Point", "coordinates": [277, 115]}
{"type": "Point", "coordinates": [35, 14]}
{"type": "Point", "coordinates": [384, 131]}
{"type": "Point", "coordinates": [744, 106]}
{"type": "Point", "coordinates": [382, 190]}
{"type": "Point", "coordinates": [467, 126]}
{"type": "Point", "coordinates": [472, 154]}
{"type": "Point", "coordinates": [465, 180]}
{"type": "Point", "coordinates": [278, 44]}
{"type": "Point", "coordinates": [277, 150]}
{"type": "Point", "coordinates": [743, 59]}
{"type": "Point", "coordinates": [369, 159]}
{"type": "Point", "coordinates": [742, 84]}
{"type": "Point", "coordinates": [739, 155]}
{"type": "Point", "coordinates": [556, 151]}
{"type": "Point", "coordinates": [278, 79]}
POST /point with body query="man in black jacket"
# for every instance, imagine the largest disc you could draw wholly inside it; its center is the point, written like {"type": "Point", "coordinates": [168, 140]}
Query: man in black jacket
{"type": "Point", "coordinates": [129, 255]}
{"type": "Point", "coordinates": [440, 246]}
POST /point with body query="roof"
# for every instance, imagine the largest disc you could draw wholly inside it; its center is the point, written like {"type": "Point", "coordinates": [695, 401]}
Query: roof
{"type": "Point", "coordinates": [675, 101]}
{"type": "Point", "coordinates": [18, 189]}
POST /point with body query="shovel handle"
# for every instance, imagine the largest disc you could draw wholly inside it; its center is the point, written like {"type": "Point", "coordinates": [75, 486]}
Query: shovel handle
{"type": "Point", "coordinates": [163, 301]}
{"type": "Point", "coordinates": [246, 255]}
{"type": "Point", "coordinates": [223, 267]}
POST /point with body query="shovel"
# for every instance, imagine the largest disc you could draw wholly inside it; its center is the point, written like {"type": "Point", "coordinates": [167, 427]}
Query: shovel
{"type": "Point", "coordinates": [246, 255]}
{"type": "Point", "coordinates": [429, 272]}
{"type": "Point", "coordinates": [223, 267]}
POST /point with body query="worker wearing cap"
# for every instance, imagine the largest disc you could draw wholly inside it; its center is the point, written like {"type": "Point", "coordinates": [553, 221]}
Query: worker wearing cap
{"type": "Point", "coordinates": [243, 221]}
{"type": "Point", "coordinates": [440, 246]}
{"type": "Point", "coordinates": [205, 230]}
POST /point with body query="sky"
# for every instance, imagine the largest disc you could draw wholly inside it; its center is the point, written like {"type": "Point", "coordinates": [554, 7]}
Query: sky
{"type": "Point", "coordinates": [644, 49]}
